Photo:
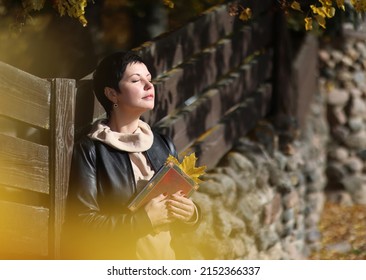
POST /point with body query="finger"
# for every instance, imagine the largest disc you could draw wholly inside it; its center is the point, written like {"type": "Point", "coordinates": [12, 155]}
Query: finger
{"type": "Point", "coordinates": [181, 199]}
{"type": "Point", "coordinates": [180, 215]}
{"type": "Point", "coordinates": [178, 204]}
{"type": "Point", "coordinates": [160, 197]}
{"type": "Point", "coordinates": [179, 194]}
{"type": "Point", "coordinates": [185, 212]}
{"type": "Point", "coordinates": [179, 211]}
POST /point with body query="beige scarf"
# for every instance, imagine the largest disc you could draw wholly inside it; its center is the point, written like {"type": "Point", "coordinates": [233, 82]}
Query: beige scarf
{"type": "Point", "coordinates": [134, 143]}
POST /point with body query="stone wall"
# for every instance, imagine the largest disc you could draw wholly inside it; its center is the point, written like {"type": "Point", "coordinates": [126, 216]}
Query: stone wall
{"type": "Point", "coordinates": [344, 84]}
{"type": "Point", "coordinates": [264, 202]}
{"type": "Point", "coordinates": [260, 203]}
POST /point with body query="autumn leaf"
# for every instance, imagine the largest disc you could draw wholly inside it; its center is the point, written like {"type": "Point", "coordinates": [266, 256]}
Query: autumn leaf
{"type": "Point", "coordinates": [342, 224]}
{"type": "Point", "coordinates": [308, 23]}
{"type": "Point", "coordinates": [317, 10]}
{"type": "Point", "coordinates": [72, 8]}
{"type": "Point", "coordinates": [245, 14]}
{"type": "Point", "coordinates": [340, 4]}
{"type": "Point", "coordinates": [326, 2]}
{"type": "Point", "coordinates": [296, 6]}
{"type": "Point", "coordinates": [329, 11]}
{"type": "Point", "coordinates": [188, 166]}
{"type": "Point", "coordinates": [169, 3]}
{"type": "Point", "coordinates": [172, 159]}
{"type": "Point", "coordinates": [320, 20]}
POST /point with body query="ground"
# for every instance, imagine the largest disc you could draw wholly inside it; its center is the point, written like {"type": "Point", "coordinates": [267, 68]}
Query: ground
{"type": "Point", "coordinates": [343, 229]}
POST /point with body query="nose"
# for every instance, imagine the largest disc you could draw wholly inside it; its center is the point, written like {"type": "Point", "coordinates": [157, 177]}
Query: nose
{"type": "Point", "coordinates": [148, 85]}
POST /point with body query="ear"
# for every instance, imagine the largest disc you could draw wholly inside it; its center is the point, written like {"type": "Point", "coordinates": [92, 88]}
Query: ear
{"type": "Point", "coordinates": [111, 94]}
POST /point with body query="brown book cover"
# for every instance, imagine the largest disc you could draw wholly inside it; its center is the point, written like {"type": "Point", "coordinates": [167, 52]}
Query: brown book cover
{"type": "Point", "coordinates": [169, 179]}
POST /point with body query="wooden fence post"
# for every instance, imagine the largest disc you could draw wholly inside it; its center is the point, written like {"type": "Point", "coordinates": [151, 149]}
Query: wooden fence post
{"type": "Point", "coordinates": [283, 101]}
{"type": "Point", "coordinates": [62, 142]}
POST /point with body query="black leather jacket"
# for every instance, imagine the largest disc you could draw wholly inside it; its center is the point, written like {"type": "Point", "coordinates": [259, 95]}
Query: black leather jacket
{"type": "Point", "coordinates": [98, 224]}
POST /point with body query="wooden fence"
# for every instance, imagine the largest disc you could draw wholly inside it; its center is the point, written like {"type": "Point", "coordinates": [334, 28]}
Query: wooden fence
{"type": "Point", "coordinates": [36, 136]}
{"type": "Point", "coordinates": [214, 81]}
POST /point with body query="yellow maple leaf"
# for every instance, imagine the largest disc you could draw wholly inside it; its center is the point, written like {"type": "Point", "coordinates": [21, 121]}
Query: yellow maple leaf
{"type": "Point", "coordinates": [245, 14]}
{"type": "Point", "coordinates": [326, 2]}
{"type": "Point", "coordinates": [320, 20]}
{"type": "Point", "coordinates": [188, 166]}
{"type": "Point", "coordinates": [318, 10]}
{"type": "Point", "coordinates": [72, 8]}
{"type": "Point", "coordinates": [329, 11]}
{"type": "Point", "coordinates": [308, 23]}
{"type": "Point", "coordinates": [296, 6]}
{"type": "Point", "coordinates": [340, 4]}
{"type": "Point", "coordinates": [172, 160]}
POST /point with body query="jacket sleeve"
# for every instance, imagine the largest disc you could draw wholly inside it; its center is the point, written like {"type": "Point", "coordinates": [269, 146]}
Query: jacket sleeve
{"type": "Point", "coordinates": [82, 208]}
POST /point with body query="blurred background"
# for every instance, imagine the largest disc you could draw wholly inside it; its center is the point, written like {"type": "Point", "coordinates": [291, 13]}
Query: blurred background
{"type": "Point", "coordinates": [46, 44]}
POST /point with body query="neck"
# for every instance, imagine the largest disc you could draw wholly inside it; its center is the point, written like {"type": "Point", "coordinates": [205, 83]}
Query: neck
{"type": "Point", "coordinates": [124, 125]}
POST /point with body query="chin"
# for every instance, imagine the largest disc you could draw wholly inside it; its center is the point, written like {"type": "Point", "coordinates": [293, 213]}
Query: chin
{"type": "Point", "coordinates": [147, 109]}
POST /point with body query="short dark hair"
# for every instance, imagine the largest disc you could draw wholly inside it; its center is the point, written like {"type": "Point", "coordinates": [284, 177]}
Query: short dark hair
{"type": "Point", "coordinates": [108, 74]}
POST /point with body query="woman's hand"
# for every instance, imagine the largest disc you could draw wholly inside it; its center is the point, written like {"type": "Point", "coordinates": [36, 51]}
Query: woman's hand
{"type": "Point", "coordinates": [157, 211]}
{"type": "Point", "coordinates": [181, 207]}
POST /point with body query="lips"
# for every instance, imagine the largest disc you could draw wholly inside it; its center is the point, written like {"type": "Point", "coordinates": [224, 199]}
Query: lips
{"type": "Point", "coordinates": [149, 96]}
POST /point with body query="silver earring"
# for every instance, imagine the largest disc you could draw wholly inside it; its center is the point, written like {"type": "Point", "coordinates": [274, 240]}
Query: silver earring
{"type": "Point", "coordinates": [115, 105]}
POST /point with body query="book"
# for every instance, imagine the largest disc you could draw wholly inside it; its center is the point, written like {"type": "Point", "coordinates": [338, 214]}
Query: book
{"type": "Point", "coordinates": [169, 179]}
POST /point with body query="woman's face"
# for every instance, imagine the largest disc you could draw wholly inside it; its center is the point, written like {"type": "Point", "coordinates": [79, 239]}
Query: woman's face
{"type": "Point", "coordinates": [137, 93]}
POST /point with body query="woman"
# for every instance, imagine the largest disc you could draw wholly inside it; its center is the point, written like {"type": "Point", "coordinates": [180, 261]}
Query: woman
{"type": "Point", "coordinates": [112, 164]}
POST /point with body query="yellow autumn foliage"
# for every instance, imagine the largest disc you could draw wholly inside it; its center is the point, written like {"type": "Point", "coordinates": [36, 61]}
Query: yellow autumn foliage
{"type": "Point", "coordinates": [313, 13]}
{"type": "Point", "coordinates": [308, 23]}
{"type": "Point", "coordinates": [188, 166]}
{"type": "Point", "coordinates": [296, 6]}
{"type": "Point", "coordinates": [342, 224]}
{"type": "Point", "coordinates": [318, 12]}
{"type": "Point", "coordinates": [169, 3]}
{"type": "Point", "coordinates": [326, 9]}
{"type": "Point", "coordinates": [73, 8]}
{"type": "Point", "coordinates": [245, 14]}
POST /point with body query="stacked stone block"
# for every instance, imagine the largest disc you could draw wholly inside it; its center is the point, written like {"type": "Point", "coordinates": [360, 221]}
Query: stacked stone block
{"type": "Point", "coordinates": [344, 84]}
{"type": "Point", "coordinates": [264, 204]}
